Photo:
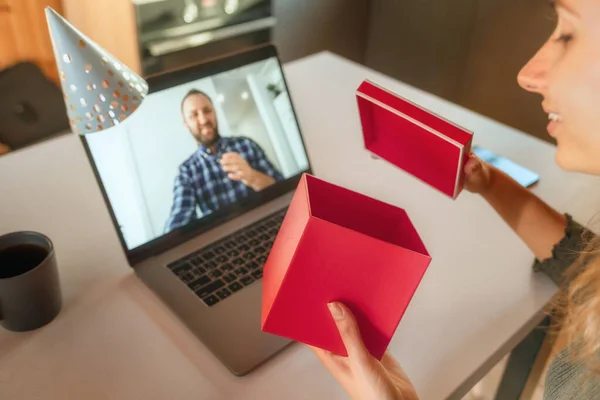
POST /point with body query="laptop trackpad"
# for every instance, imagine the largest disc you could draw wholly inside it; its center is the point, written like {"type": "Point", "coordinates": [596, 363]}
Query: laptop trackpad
{"type": "Point", "coordinates": [230, 328]}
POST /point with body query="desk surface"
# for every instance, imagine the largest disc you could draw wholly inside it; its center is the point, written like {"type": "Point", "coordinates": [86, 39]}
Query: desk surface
{"type": "Point", "coordinates": [116, 340]}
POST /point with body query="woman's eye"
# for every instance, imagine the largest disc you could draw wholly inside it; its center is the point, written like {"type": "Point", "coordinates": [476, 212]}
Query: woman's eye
{"type": "Point", "coordinates": [565, 38]}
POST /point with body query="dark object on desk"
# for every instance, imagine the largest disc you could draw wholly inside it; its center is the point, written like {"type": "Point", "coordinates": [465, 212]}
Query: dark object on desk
{"type": "Point", "coordinates": [31, 106]}
{"type": "Point", "coordinates": [30, 295]}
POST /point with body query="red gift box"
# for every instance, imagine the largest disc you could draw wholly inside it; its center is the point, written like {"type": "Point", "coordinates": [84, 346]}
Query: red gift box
{"type": "Point", "coordinates": [414, 139]}
{"type": "Point", "coordinates": [339, 245]}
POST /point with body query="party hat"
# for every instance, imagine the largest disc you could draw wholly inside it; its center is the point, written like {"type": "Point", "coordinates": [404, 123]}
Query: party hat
{"type": "Point", "coordinates": [99, 91]}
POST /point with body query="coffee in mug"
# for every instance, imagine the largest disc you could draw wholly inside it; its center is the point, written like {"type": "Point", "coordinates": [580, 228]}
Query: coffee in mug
{"type": "Point", "coordinates": [30, 295]}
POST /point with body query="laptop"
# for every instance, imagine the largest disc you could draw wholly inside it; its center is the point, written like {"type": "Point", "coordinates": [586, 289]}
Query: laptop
{"type": "Point", "coordinates": [197, 182]}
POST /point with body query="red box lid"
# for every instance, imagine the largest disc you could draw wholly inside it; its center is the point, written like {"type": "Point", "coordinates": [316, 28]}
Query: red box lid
{"type": "Point", "coordinates": [413, 138]}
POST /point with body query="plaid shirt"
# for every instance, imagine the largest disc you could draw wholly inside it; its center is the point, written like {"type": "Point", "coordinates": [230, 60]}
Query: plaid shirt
{"type": "Point", "coordinates": [202, 183]}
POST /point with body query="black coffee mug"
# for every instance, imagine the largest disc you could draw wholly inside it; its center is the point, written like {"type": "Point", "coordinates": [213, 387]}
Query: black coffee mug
{"type": "Point", "coordinates": [30, 295]}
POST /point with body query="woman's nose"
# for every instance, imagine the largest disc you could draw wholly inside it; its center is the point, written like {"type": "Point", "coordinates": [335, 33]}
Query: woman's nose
{"type": "Point", "coordinates": [533, 77]}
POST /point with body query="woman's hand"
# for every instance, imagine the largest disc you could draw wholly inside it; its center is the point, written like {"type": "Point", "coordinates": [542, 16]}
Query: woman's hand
{"type": "Point", "coordinates": [360, 374]}
{"type": "Point", "coordinates": [478, 175]}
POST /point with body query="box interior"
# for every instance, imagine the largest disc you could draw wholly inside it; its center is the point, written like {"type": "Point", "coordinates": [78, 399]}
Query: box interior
{"type": "Point", "coordinates": [431, 158]}
{"type": "Point", "coordinates": [360, 213]}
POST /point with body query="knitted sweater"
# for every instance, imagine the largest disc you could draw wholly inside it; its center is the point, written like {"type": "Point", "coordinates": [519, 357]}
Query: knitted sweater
{"type": "Point", "coordinates": [566, 379]}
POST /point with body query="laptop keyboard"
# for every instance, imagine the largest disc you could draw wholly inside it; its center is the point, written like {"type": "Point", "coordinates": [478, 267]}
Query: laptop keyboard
{"type": "Point", "coordinates": [225, 267]}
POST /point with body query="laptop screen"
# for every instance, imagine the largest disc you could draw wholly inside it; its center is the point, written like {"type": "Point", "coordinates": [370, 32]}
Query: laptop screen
{"type": "Point", "coordinates": [198, 148]}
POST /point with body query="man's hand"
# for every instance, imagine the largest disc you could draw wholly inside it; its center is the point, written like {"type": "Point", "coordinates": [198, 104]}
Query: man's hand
{"type": "Point", "coordinates": [4, 149]}
{"type": "Point", "coordinates": [360, 374]}
{"type": "Point", "coordinates": [238, 169]}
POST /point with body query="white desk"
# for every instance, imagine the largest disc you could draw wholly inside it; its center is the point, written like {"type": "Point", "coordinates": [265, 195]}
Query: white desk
{"type": "Point", "coordinates": [116, 340]}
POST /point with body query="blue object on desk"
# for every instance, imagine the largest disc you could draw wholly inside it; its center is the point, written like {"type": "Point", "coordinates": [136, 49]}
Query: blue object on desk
{"type": "Point", "coordinates": [519, 173]}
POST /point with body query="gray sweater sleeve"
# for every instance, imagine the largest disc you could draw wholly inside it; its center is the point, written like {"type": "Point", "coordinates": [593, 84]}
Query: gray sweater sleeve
{"type": "Point", "coordinates": [565, 252]}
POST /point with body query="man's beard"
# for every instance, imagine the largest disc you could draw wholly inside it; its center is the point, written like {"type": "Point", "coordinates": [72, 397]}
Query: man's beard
{"type": "Point", "coordinates": [212, 141]}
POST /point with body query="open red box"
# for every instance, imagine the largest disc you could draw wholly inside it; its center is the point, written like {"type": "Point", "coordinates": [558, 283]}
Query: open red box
{"type": "Point", "coordinates": [414, 139]}
{"type": "Point", "coordinates": [339, 245]}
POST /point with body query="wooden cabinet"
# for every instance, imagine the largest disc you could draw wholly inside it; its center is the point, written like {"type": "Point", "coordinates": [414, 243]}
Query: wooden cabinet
{"type": "Point", "coordinates": [110, 23]}
{"type": "Point", "coordinates": [24, 34]}
{"type": "Point", "coordinates": [467, 51]}
{"type": "Point", "coordinates": [309, 26]}
{"type": "Point", "coordinates": [424, 43]}
{"type": "Point", "coordinates": [303, 27]}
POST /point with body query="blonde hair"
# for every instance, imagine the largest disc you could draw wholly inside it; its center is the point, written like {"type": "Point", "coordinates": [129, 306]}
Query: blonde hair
{"type": "Point", "coordinates": [579, 305]}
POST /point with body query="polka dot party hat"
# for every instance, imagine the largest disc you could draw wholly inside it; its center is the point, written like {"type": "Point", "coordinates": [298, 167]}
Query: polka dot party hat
{"type": "Point", "coordinates": [99, 91]}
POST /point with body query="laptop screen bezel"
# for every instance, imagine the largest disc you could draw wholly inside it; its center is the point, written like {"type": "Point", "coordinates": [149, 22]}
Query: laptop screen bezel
{"type": "Point", "coordinates": [180, 235]}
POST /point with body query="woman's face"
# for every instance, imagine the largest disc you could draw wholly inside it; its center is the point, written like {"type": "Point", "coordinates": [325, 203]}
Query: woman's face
{"type": "Point", "coordinates": [566, 72]}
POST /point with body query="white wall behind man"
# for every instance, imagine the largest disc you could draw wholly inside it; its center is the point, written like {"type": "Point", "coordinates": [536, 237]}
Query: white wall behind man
{"type": "Point", "coordinates": [264, 102]}
{"type": "Point", "coordinates": [113, 159]}
{"type": "Point", "coordinates": [285, 112]}
{"type": "Point", "coordinates": [252, 126]}
{"type": "Point", "coordinates": [242, 113]}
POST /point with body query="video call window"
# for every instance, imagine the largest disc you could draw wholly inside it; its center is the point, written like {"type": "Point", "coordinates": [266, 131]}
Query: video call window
{"type": "Point", "coordinates": [196, 148]}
